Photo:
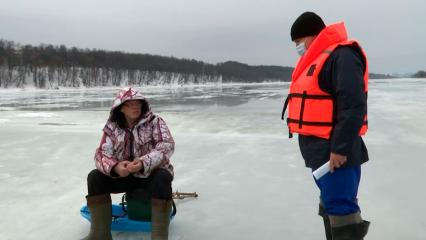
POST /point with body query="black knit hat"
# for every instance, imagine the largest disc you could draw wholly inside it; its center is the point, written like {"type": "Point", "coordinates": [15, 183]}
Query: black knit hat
{"type": "Point", "coordinates": [307, 24]}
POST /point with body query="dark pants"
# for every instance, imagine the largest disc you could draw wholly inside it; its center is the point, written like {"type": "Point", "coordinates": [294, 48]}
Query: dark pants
{"type": "Point", "coordinates": [159, 184]}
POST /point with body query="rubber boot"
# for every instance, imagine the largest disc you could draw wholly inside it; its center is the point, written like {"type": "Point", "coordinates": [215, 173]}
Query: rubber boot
{"type": "Point", "coordinates": [326, 219]}
{"type": "Point", "coordinates": [160, 218]}
{"type": "Point", "coordinates": [100, 212]}
{"type": "Point", "coordinates": [351, 232]}
{"type": "Point", "coordinates": [349, 227]}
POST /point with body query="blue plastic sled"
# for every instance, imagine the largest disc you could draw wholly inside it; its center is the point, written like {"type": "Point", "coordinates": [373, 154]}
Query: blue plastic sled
{"type": "Point", "coordinates": [120, 221]}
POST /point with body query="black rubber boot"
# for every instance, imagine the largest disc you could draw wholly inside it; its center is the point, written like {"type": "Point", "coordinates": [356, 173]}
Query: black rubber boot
{"type": "Point", "coordinates": [160, 218]}
{"type": "Point", "coordinates": [326, 219]}
{"type": "Point", "coordinates": [355, 231]}
{"type": "Point", "coordinates": [100, 212]}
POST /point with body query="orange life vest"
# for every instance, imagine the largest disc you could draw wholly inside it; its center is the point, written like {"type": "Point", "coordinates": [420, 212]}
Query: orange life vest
{"type": "Point", "coordinates": [310, 109]}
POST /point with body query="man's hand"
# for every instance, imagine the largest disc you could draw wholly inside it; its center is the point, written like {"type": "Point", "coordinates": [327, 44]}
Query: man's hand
{"type": "Point", "coordinates": [135, 166]}
{"type": "Point", "coordinates": [121, 169]}
{"type": "Point", "coordinates": [336, 161]}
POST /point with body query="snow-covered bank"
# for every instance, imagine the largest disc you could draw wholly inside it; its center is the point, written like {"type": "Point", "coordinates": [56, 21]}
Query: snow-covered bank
{"type": "Point", "coordinates": [92, 77]}
{"type": "Point", "coordinates": [55, 77]}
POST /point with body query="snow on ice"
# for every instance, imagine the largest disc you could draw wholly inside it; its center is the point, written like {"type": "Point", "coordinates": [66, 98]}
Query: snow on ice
{"type": "Point", "coordinates": [231, 148]}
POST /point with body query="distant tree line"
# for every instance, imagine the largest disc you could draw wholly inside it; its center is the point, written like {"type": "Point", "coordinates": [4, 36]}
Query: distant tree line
{"type": "Point", "coordinates": [419, 74]}
{"type": "Point", "coordinates": [48, 66]}
{"type": "Point", "coordinates": [379, 76]}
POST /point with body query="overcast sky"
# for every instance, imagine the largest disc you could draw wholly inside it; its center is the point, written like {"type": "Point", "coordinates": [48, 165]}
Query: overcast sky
{"type": "Point", "coordinates": [255, 32]}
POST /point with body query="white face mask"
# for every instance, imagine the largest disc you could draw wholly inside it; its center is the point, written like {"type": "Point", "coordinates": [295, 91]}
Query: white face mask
{"type": "Point", "coordinates": [301, 48]}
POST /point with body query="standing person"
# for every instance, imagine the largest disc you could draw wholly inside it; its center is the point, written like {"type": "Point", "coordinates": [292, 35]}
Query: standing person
{"type": "Point", "coordinates": [327, 105]}
{"type": "Point", "coordinates": [134, 152]}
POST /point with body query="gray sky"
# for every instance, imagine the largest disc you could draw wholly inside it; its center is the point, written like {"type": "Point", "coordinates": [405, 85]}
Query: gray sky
{"type": "Point", "coordinates": [255, 32]}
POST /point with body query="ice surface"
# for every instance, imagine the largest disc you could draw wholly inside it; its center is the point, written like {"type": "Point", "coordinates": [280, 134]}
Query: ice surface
{"type": "Point", "coordinates": [231, 148]}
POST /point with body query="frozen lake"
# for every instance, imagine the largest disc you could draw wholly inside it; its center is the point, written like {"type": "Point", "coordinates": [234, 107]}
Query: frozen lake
{"type": "Point", "coordinates": [231, 148]}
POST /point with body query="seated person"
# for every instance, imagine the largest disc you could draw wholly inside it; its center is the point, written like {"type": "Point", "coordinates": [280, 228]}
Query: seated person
{"type": "Point", "coordinates": [134, 152]}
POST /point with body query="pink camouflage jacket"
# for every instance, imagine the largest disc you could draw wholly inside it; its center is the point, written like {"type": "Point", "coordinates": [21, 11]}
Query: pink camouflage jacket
{"type": "Point", "coordinates": [151, 138]}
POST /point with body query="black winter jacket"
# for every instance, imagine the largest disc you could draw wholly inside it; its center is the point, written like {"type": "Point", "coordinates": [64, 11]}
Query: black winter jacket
{"type": "Point", "coordinates": [342, 77]}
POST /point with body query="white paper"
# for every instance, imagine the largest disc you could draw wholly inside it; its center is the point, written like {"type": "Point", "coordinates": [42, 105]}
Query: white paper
{"type": "Point", "coordinates": [324, 169]}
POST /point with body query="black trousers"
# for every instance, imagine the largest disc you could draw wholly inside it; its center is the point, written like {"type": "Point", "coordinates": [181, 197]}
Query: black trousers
{"type": "Point", "coordinates": [159, 184]}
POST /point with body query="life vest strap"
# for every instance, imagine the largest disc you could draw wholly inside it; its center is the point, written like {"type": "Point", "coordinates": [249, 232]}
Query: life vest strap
{"type": "Point", "coordinates": [327, 124]}
{"type": "Point", "coordinates": [304, 96]}
{"type": "Point", "coordinates": [309, 123]}
{"type": "Point", "coordinates": [302, 108]}
{"type": "Point", "coordinates": [309, 96]}
{"type": "Point", "coordinates": [285, 107]}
